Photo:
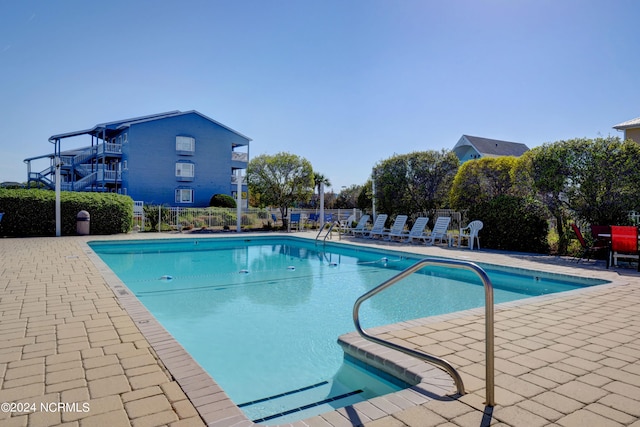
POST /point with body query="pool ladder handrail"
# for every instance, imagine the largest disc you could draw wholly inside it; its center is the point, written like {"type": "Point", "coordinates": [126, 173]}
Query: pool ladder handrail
{"type": "Point", "coordinates": [442, 363]}
{"type": "Point", "coordinates": [333, 224]}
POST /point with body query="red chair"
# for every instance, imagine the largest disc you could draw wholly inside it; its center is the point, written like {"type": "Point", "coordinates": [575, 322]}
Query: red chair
{"type": "Point", "coordinates": [598, 230]}
{"type": "Point", "coordinates": [589, 249]}
{"type": "Point", "coordinates": [624, 243]}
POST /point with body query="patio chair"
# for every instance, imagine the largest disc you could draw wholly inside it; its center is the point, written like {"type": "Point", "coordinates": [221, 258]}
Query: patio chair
{"type": "Point", "coordinates": [360, 228]}
{"type": "Point", "coordinates": [345, 226]}
{"type": "Point", "coordinates": [601, 235]}
{"type": "Point", "coordinates": [589, 248]}
{"type": "Point", "coordinates": [417, 230]}
{"type": "Point", "coordinates": [470, 233]}
{"type": "Point", "coordinates": [313, 219]}
{"type": "Point", "coordinates": [378, 227]}
{"type": "Point", "coordinates": [439, 231]}
{"type": "Point", "coordinates": [295, 220]}
{"type": "Point", "coordinates": [624, 243]}
{"type": "Point", "coordinates": [397, 229]}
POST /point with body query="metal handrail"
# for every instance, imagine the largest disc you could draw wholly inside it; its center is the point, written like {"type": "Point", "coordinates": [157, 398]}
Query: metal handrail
{"type": "Point", "coordinates": [333, 224]}
{"type": "Point", "coordinates": [489, 339]}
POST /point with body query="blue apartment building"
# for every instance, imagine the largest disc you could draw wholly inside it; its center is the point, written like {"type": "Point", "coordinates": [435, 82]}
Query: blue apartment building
{"type": "Point", "coordinates": [173, 159]}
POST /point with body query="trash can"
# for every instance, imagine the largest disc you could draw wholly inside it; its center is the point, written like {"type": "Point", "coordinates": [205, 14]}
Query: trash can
{"type": "Point", "coordinates": [83, 219]}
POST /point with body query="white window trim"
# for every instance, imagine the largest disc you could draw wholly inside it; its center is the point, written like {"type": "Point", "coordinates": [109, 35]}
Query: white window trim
{"type": "Point", "coordinates": [185, 144]}
{"type": "Point", "coordinates": [181, 192]}
{"type": "Point", "coordinates": [185, 169]}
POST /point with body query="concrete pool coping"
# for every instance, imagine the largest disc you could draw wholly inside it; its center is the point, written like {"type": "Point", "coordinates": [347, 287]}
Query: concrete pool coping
{"type": "Point", "coordinates": [71, 332]}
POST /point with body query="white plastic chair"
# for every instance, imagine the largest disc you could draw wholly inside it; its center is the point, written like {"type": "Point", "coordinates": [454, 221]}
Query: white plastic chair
{"type": "Point", "coordinates": [345, 226]}
{"type": "Point", "coordinates": [470, 232]}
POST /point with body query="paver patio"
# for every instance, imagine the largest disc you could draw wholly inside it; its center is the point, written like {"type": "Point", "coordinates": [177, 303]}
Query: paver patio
{"type": "Point", "coordinates": [71, 333]}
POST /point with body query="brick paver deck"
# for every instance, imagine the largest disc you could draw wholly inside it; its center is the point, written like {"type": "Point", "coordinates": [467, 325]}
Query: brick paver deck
{"type": "Point", "coordinates": [71, 334]}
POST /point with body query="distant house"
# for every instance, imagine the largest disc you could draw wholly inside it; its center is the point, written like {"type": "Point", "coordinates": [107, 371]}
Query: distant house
{"type": "Point", "coordinates": [631, 129]}
{"type": "Point", "coordinates": [474, 147]}
{"type": "Point", "coordinates": [174, 158]}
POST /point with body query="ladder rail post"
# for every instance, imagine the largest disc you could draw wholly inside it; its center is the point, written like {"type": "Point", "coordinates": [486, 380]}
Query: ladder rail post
{"type": "Point", "coordinates": [489, 320]}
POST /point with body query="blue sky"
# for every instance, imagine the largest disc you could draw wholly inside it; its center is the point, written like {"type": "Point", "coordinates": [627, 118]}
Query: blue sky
{"type": "Point", "coordinates": [344, 84]}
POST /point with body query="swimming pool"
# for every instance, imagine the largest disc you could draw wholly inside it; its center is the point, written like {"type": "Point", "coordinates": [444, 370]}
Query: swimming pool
{"type": "Point", "coordinates": [262, 315]}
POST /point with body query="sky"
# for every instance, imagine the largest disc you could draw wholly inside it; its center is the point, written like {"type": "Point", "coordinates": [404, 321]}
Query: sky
{"type": "Point", "coordinates": [343, 83]}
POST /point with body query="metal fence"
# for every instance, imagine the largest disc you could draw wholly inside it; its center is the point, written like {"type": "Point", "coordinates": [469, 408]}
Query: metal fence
{"type": "Point", "coordinates": [154, 218]}
{"type": "Point", "coordinates": [164, 218]}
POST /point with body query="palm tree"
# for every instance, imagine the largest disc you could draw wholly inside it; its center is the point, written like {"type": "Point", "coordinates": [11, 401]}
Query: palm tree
{"type": "Point", "coordinates": [319, 179]}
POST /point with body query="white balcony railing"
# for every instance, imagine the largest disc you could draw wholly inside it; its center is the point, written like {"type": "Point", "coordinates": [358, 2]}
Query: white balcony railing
{"type": "Point", "coordinates": [239, 156]}
{"type": "Point", "coordinates": [110, 148]}
{"type": "Point", "coordinates": [234, 179]}
{"type": "Point", "coordinates": [109, 176]}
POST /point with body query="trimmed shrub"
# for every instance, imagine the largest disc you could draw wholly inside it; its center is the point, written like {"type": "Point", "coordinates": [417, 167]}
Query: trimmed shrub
{"type": "Point", "coordinates": [32, 212]}
{"type": "Point", "coordinates": [151, 217]}
{"type": "Point", "coordinates": [222, 201]}
{"type": "Point", "coordinates": [513, 224]}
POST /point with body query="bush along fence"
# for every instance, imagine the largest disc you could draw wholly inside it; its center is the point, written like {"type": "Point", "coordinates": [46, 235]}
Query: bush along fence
{"type": "Point", "coordinates": [165, 218]}
{"type": "Point", "coordinates": [32, 212]}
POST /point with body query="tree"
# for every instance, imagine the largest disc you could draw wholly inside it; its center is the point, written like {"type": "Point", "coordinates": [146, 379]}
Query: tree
{"type": "Point", "coordinates": [280, 180]}
{"type": "Point", "coordinates": [348, 197]}
{"type": "Point", "coordinates": [414, 182]}
{"type": "Point", "coordinates": [546, 172]}
{"type": "Point", "coordinates": [319, 179]}
{"type": "Point", "coordinates": [481, 180]}
{"type": "Point", "coordinates": [596, 181]}
{"type": "Point", "coordinates": [365, 197]}
{"type": "Point", "coordinates": [606, 182]}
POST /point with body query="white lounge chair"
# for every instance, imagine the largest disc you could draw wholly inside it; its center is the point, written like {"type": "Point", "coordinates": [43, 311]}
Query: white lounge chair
{"type": "Point", "coordinates": [439, 231]}
{"type": "Point", "coordinates": [470, 232]}
{"type": "Point", "coordinates": [417, 230]}
{"type": "Point", "coordinates": [378, 227]}
{"type": "Point", "coordinates": [397, 229]}
{"type": "Point", "coordinates": [360, 227]}
{"type": "Point", "coordinates": [345, 226]}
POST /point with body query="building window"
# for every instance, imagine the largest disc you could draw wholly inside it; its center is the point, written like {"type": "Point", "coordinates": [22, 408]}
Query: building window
{"type": "Point", "coordinates": [184, 195]}
{"type": "Point", "coordinates": [124, 165]}
{"type": "Point", "coordinates": [185, 171]}
{"type": "Point", "coordinates": [125, 138]}
{"type": "Point", "coordinates": [185, 144]}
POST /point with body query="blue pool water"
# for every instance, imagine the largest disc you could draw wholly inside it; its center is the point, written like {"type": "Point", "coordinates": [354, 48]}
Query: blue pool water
{"type": "Point", "coordinates": [262, 315]}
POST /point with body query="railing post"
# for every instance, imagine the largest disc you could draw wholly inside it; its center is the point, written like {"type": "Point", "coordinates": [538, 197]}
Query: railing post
{"type": "Point", "coordinates": [489, 319]}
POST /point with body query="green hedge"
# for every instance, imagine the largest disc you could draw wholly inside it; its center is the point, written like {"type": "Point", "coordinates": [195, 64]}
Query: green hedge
{"type": "Point", "coordinates": [512, 224]}
{"type": "Point", "coordinates": [32, 212]}
{"type": "Point", "coordinates": [222, 201]}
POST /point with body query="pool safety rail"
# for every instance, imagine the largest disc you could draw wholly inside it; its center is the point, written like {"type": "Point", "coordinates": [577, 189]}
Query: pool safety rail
{"type": "Point", "coordinates": [328, 233]}
{"type": "Point", "coordinates": [443, 364]}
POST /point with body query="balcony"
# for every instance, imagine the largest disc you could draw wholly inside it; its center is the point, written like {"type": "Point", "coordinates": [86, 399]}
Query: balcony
{"type": "Point", "coordinates": [109, 175]}
{"type": "Point", "coordinates": [110, 148]}
{"type": "Point", "coordinates": [234, 180]}
{"type": "Point", "coordinates": [237, 156]}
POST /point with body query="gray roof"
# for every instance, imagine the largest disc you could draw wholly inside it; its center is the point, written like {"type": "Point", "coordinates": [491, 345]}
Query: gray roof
{"type": "Point", "coordinates": [113, 128]}
{"type": "Point", "coordinates": [496, 147]}
{"type": "Point", "coordinates": [633, 123]}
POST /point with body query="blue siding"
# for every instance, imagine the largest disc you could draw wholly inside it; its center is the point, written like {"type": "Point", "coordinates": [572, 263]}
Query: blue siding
{"type": "Point", "coordinates": [151, 159]}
